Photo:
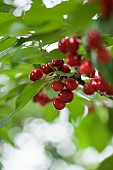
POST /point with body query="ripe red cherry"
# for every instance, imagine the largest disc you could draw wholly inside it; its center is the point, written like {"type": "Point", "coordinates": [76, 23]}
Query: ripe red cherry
{"type": "Point", "coordinates": [73, 44]}
{"type": "Point", "coordinates": [109, 90]}
{"type": "Point", "coordinates": [94, 83]}
{"type": "Point", "coordinates": [65, 68]}
{"type": "Point", "coordinates": [57, 63]}
{"type": "Point", "coordinates": [41, 98]}
{"type": "Point", "coordinates": [94, 39]}
{"type": "Point", "coordinates": [62, 45]}
{"type": "Point", "coordinates": [66, 96]}
{"type": "Point", "coordinates": [87, 68]}
{"type": "Point", "coordinates": [58, 103]}
{"type": "Point", "coordinates": [73, 60]}
{"type": "Point", "coordinates": [36, 74]}
{"type": "Point", "coordinates": [88, 89]}
{"type": "Point", "coordinates": [57, 86]}
{"type": "Point", "coordinates": [71, 84]}
{"type": "Point", "coordinates": [103, 55]}
{"type": "Point", "coordinates": [106, 7]}
{"type": "Point", "coordinates": [101, 84]}
{"type": "Point", "coordinates": [46, 68]}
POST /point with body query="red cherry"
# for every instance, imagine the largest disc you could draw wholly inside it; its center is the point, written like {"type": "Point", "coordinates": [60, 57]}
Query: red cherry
{"type": "Point", "coordinates": [66, 96]}
{"type": "Point", "coordinates": [65, 68]}
{"type": "Point", "coordinates": [73, 60]}
{"type": "Point", "coordinates": [73, 44]}
{"type": "Point", "coordinates": [58, 103]}
{"type": "Point", "coordinates": [36, 98]}
{"type": "Point", "coordinates": [69, 45]}
{"type": "Point", "coordinates": [106, 7]}
{"type": "Point", "coordinates": [36, 74]}
{"type": "Point", "coordinates": [57, 63]}
{"type": "Point", "coordinates": [57, 85]}
{"type": "Point", "coordinates": [109, 90]}
{"type": "Point", "coordinates": [94, 83]}
{"type": "Point", "coordinates": [62, 45]}
{"type": "Point", "coordinates": [87, 68]}
{"type": "Point", "coordinates": [71, 84]}
{"type": "Point", "coordinates": [46, 68]}
{"type": "Point", "coordinates": [94, 39]}
{"type": "Point", "coordinates": [103, 55]}
{"type": "Point", "coordinates": [88, 89]}
{"type": "Point", "coordinates": [41, 98]}
{"type": "Point", "coordinates": [101, 84]}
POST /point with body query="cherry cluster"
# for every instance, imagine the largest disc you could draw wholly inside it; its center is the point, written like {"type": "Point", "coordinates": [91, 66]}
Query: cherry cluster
{"type": "Point", "coordinates": [106, 7]}
{"type": "Point", "coordinates": [65, 85]}
{"type": "Point", "coordinates": [97, 83]}
{"type": "Point", "coordinates": [95, 42]}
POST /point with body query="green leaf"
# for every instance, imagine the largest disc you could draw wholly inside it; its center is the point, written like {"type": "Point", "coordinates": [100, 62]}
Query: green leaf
{"type": "Point", "coordinates": [28, 93]}
{"type": "Point", "coordinates": [106, 164]}
{"type": "Point", "coordinates": [4, 7]}
{"type": "Point", "coordinates": [110, 121]}
{"type": "Point", "coordinates": [44, 14]}
{"type": "Point", "coordinates": [106, 24]}
{"type": "Point", "coordinates": [6, 17]}
{"type": "Point", "coordinates": [76, 107]}
{"type": "Point", "coordinates": [7, 42]}
{"type": "Point", "coordinates": [34, 56]}
{"type": "Point", "coordinates": [12, 93]}
{"type": "Point", "coordinates": [83, 16]}
{"type": "Point", "coordinates": [49, 113]}
{"type": "Point", "coordinates": [4, 135]}
{"type": "Point", "coordinates": [93, 132]}
{"type": "Point", "coordinates": [24, 97]}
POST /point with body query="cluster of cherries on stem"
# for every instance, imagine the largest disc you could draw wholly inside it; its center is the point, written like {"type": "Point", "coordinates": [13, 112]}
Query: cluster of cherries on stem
{"type": "Point", "coordinates": [65, 85]}
{"type": "Point", "coordinates": [106, 7]}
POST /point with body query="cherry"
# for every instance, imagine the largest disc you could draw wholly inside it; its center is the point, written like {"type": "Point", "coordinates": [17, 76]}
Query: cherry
{"type": "Point", "coordinates": [58, 103]}
{"type": "Point", "coordinates": [57, 63]}
{"type": "Point", "coordinates": [66, 95]}
{"type": "Point", "coordinates": [109, 90]}
{"type": "Point", "coordinates": [103, 55]}
{"type": "Point", "coordinates": [62, 45]}
{"type": "Point", "coordinates": [46, 68]}
{"type": "Point", "coordinates": [73, 60]}
{"type": "Point", "coordinates": [71, 84]}
{"type": "Point", "coordinates": [101, 84]}
{"type": "Point", "coordinates": [36, 74]}
{"type": "Point", "coordinates": [94, 39]}
{"type": "Point", "coordinates": [73, 44]}
{"type": "Point", "coordinates": [41, 98]}
{"type": "Point", "coordinates": [69, 45]}
{"type": "Point", "coordinates": [65, 68]}
{"type": "Point", "coordinates": [88, 89]}
{"type": "Point", "coordinates": [87, 68]}
{"type": "Point", "coordinates": [94, 83]}
{"type": "Point", "coordinates": [106, 7]}
{"type": "Point", "coordinates": [57, 85]}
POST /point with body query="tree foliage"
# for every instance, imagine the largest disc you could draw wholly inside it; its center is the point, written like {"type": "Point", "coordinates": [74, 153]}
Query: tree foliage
{"type": "Point", "coordinates": [23, 42]}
